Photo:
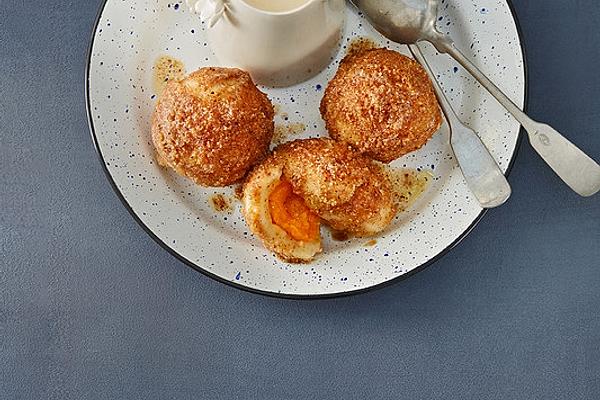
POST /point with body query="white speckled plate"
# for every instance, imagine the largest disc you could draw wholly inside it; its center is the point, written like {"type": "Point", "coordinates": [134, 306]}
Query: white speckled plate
{"type": "Point", "coordinates": [131, 34]}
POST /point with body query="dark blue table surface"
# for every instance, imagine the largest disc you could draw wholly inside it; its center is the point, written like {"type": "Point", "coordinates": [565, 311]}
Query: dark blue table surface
{"type": "Point", "coordinates": [92, 308]}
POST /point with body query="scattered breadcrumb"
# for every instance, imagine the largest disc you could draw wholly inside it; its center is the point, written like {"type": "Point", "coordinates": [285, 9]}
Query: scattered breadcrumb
{"type": "Point", "coordinates": [238, 192]}
{"type": "Point", "coordinates": [339, 236]}
{"type": "Point", "coordinates": [220, 203]}
{"type": "Point", "coordinates": [361, 44]}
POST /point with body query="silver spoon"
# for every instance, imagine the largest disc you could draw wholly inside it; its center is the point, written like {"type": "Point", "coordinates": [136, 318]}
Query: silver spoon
{"type": "Point", "coordinates": [411, 21]}
{"type": "Point", "coordinates": [482, 174]}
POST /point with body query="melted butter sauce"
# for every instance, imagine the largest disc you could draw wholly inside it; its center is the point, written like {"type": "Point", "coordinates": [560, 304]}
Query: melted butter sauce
{"type": "Point", "coordinates": [284, 132]}
{"type": "Point", "coordinates": [165, 69]}
{"type": "Point", "coordinates": [408, 185]}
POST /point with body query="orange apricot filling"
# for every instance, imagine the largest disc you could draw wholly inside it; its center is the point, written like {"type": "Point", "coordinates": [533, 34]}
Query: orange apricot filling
{"type": "Point", "coordinates": [290, 213]}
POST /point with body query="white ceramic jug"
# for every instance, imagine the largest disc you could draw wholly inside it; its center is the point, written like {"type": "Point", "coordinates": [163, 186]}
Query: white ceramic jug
{"type": "Point", "coordinates": [277, 48]}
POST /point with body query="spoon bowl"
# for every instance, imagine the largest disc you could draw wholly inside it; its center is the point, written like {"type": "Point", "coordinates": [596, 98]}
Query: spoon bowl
{"type": "Point", "coordinates": [402, 21]}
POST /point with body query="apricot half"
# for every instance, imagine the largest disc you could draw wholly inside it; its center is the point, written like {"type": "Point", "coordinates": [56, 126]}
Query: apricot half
{"type": "Point", "coordinates": [290, 213]}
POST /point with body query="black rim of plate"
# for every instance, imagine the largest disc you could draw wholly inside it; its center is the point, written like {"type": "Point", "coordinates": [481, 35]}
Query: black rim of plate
{"type": "Point", "coordinates": [276, 294]}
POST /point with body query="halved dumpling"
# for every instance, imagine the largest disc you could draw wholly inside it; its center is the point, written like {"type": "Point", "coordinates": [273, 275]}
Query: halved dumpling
{"type": "Point", "coordinates": [309, 180]}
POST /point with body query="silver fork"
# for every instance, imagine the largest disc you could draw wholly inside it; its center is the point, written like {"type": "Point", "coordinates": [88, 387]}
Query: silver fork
{"type": "Point", "coordinates": [482, 174]}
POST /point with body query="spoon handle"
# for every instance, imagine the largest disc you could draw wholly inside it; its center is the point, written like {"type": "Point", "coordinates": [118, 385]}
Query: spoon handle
{"type": "Point", "coordinates": [572, 165]}
{"type": "Point", "coordinates": [483, 176]}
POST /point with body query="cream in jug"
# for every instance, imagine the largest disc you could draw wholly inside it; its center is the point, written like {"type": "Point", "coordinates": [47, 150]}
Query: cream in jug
{"type": "Point", "coordinates": [279, 42]}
